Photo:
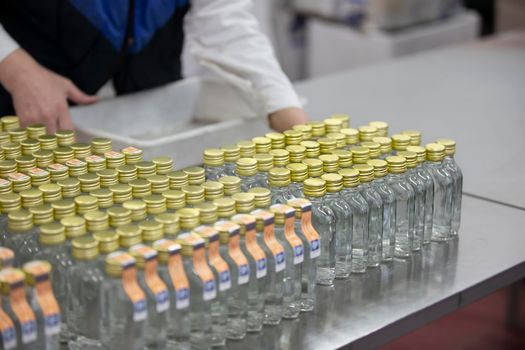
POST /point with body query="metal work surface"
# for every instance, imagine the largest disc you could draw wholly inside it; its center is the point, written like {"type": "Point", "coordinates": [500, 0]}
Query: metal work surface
{"type": "Point", "coordinates": [473, 93]}
{"type": "Point", "coordinates": [384, 303]}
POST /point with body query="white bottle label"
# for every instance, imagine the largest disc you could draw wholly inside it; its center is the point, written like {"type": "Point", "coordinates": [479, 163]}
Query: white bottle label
{"type": "Point", "coordinates": [29, 332]}
{"type": "Point", "coordinates": [280, 261]}
{"type": "Point", "coordinates": [9, 338]}
{"type": "Point", "coordinates": [225, 281]}
{"type": "Point", "coordinates": [261, 268]}
{"type": "Point", "coordinates": [52, 324]}
{"type": "Point", "coordinates": [244, 274]}
{"type": "Point", "coordinates": [298, 254]}
{"type": "Point", "coordinates": [315, 248]}
{"type": "Point", "coordinates": [140, 310]}
{"type": "Point", "coordinates": [209, 290]}
{"type": "Point", "coordinates": [163, 301]}
{"type": "Point", "coordinates": [182, 298]}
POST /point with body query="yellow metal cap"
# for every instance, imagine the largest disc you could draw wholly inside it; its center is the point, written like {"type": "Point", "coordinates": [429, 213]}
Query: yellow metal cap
{"type": "Point", "coordinates": [400, 142]}
{"type": "Point", "coordinates": [263, 196]}
{"type": "Point", "coordinates": [86, 203]}
{"type": "Point", "coordinates": [31, 198]}
{"type": "Point", "coordinates": [226, 230]}
{"type": "Point", "coordinates": [264, 162]}
{"type": "Point", "coordinates": [330, 163]}
{"type": "Point", "coordinates": [140, 188]}
{"type": "Point", "coordinates": [170, 223]}
{"type": "Point", "coordinates": [119, 216]}
{"type": "Point", "coordinates": [247, 148]}
{"type": "Point", "coordinates": [166, 248]}
{"type": "Point", "coordinates": [305, 129]}
{"type": "Point", "coordinates": [108, 177]}
{"type": "Point", "coordinates": [382, 127]}
{"type": "Point", "coordinates": [351, 136]}
{"type": "Point", "coordinates": [360, 155]}
{"type": "Point", "coordinates": [82, 150]}
{"type": "Point", "coordinates": [89, 182]}
{"type": "Point", "coordinates": [142, 254]}
{"type": "Point", "coordinates": [411, 158]}
{"type": "Point", "coordinates": [232, 185]}
{"type": "Point", "coordinates": [333, 125]}
{"type": "Point", "coordinates": [63, 208]}
{"type": "Point", "coordinates": [35, 130]}
{"type": "Point", "coordinates": [262, 218]}
{"type": "Point", "coordinates": [145, 169]}
{"type": "Point", "coordinates": [36, 271]}
{"type": "Point", "coordinates": [366, 172]}
{"type": "Point", "coordinates": [159, 183]}
{"type": "Point", "coordinates": [315, 167]}
{"type": "Point", "coordinates": [282, 212]}
{"type": "Point", "coordinates": [207, 213]}
{"type": "Point", "coordinates": [312, 148]}
{"type": "Point", "coordinates": [213, 157]}
{"type": "Point", "coordinates": [42, 214]}
{"type": "Point", "coordinates": [127, 173]}
{"type": "Point", "coordinates": [117, 262]}
{"type": "Point", "coordinates": [196, 175]}
{"type": "Point", "coordinates": [244, 202]}
{"type": "Point", "coordinates": [121, 193]}
{"type": "Point", "coordinates": [95, 163]}
{"type": "Point", "coordinates": [314, 187]}
{"type": "Point", "coordinates": [231, 153]}
{"type": "Point", "coordinates": [52, 234]}
{"type": "Point", "coordinates": [177, 179]}
{"type": "Point", "coordinates": [262, 144]}
{"type": "Point", "coordinates": [155, 204]}
{"type": "Point", "coordinates": [129, 235]}
{"type": "Point", "coordinates": [344, 118]}
{"type": "Point", "coordinates": [246, 166]}
{"type": "Point", "coordinates": [345, 158]}
{"type": "Point", "coordinates": [194, 194]}
{"type": "Point", "coordinates": [396, 164]}
{"type": "Point", "coordinates": [297, 153]}
{"type": "Point", "coordinates": [213, 190]}
{"type": "Point", "coordinates": [374, 148]}
{"type": "Point", "coordinates": [96, 221]}
{"type": "Point", "coordinates": [327, 146]}
{"type": "Point", "coordinates": [84, 248]}
{"type": "Point", "coordinates": [20, 181]}
{"type": "Point", "coordinates": [190, 243]}
{"type": "Point", "coordinates": [164, 165]}
{"type": "Point", "coordinates": [29, 146]}
{"type": "Point", "coordinates": [435, 152]}
{"type": "Point", "coordinates": [225, 207]}
{"type": "Point", "coordinates": [188, 218]}
{"type": "Point", "coordinates": [450, 146]}
{"type": "Point", "coordinates": [101, 145]}
{"type": "Point", "coordinates": [10, 202]}
{"type": "Point", "coordinates": [75, 226]}
{"type": "Point", "coordinates": [298, 172]}
{"type": "Point", "coordinates": [420, 151]}
{"type": "Point", "coordinates": [350, 177]}
{"type": "Point", "coordinates": [279, 177]}
{"type": "Point", "coordinates": [300, 205]}
{"type": "Point", "coordinates": [367, 133]}
{"type": "Point", "coordinates": [277, 139]}
{"type": "Point", "coordinates": [318, 129]}
{"type": "Point", "coordinates": [281, 157]}
{"type": "Point", "coordinates": [48, 142]}
{"type": "Point", "coordinates": [385, 144]}
{"type": "Point", "coordinates": [104, 197]}
{"type": "Point", "coordinates": [6, 186]}
{"type": "Point", "coordinates": [246, 222]}
{"type": "Point", "coordinates": [339, 138]}
{"type": "Point", "coordinates": [138, 209]}
{"type": "Point", "coordinates": [380, 167]}
{"type": "Point", "coordinates": [108, 241]}
{"type": "Point", "coordinates": [334, 182]}
{"type": "Point", "coordinates": [415, 136]}
{"type": "Point", "coordinates": [151, 230]}
{"type": "Point", "coordinates": [174, 199]}
{"type": "Point", "coordinates": [133, 155]}
{"type": "Point", "coordinates": [293, 137]}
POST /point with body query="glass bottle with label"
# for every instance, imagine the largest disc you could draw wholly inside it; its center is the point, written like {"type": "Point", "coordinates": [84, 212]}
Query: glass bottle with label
{"type": "Point", "coordinates": [246, 170]}
{"type": "Point", "coordinates": [375, 214]}
{"type": "Point", "coordinates": [41, 299]}
{"type": "Point", "coordinates": [171, 270]}
{"type": "Point", "coordinates": [389, 208]}
{"type": "Point", "coordinates": [214, 163]}
{"type": "Point", "coordinates": [323, 220]}
{"type": "Point", "coordinates": [84, 295]}
{"type": "Point", "coordinates": [15, 305]}
{"type": "Point", "coordinates": [294, 252]}
{"type": "Point", "coordinates": [157, 296]}
{"type": "Point", "coordinates": [21, 236]}
{"type": "Point", "coordinates": [343, 224]}
{"type": "Point", "coordinates": [457, 183]}
{"type": "Point", "coordinates": [258, 270]}
{"type": "Point", "coordinates": [124, 304]}
{"type": "Point", "coordinates": [276, 263]}
{"type": "Point", "coordinates": [264, 164]}
{"type": "Point", "coordinates": [443, 181]}
{"type": "Point", "coordinates": [203, 289]}
{"type": "Point", "coordinates": [298, 173]}
{"type": "Point", "coordinates": [240, 275]}
{"type": "Point", "coordinates": [280, 185]}
{"type": "Point", "coordinates": [405, 201]}
{"type": "Point", "coordinates": [7, 258]}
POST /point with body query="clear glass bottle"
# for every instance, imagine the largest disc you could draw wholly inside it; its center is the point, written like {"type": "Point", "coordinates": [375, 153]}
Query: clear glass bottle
{"type": "Point", "coordinates": [124, 304]}
{"type": "Point", "coordinates": [405, 202]}
{"type": "Point", "coordinates": [230, 251]}
{"type": "Point", "coordinates": [15, 305]}
{"type": "Point", "coordinates": [294, 252]}
{"type": "Point", "coordinates": [298, 173]}
{"type": "Point", "coordinates": [22, 236]}
{"type": "Point", "coordinates": [443, 181]}
{"type": "Point", "coordinates": [389, 208]}
{"type": "Point", "coordinates": [424, 175]}
{"type": "Point", "coordinates": [264, 164]}
{"type": "Point", "coordinates": [360, 214]}
{"type": "Point", "coordinates": [323, 220]}
{"type": "Point", "coordinates": [419, 198]}
{"type": "Point", "coordinates": [84, 295]}
{"type": "Point", "coordinates": [221, 272]}
{"type": "Point", "coordinates": [41, 299]}
{"type": "Point", "coordinates": [258, 270]}
{"type": "Point", "coordinates": [157, 296]}
{"type": "Point", "coordinates": [375, 214]}
{"type": "Point", "coordinates": [214, 163]}
{"type": "Point", "coordinates": [202, 289]}
{"type": "Point", "coordinates": [343, 224]}
{"type": "Point", "coordinates": [171, 270]}
{"type": "Point", "coordinates": [276, 263]}
{"type": "Point", "coordinates": [246, 170]}
{"type": "Point", "coordinates": [231, 154]}
{"type": "Point", "coordinates": [52, 249]}
{"type": "Point", "coordinates": [280, 185]}
{"type": "Point", "coordinates": [457, 184]}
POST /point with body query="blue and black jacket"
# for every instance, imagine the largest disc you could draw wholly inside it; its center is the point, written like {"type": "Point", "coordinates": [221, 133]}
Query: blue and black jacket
{"type": "Point", "coordinates": [136, 43]}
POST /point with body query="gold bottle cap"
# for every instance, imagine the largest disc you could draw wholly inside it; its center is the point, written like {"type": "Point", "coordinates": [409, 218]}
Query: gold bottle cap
{"type": "Point", "coordinates": [12, 150]}
{"type": "Point", "coordinates": [142, 253]}
{"type": "Point", "coordinates": [226, 230]}
{"type": "Point", "coordinates": [385, 144]}
{"type": "Point", "coordinates": [101, 145]}
{"type": "Point", "coordinates": [297, 153]}
{"type": "Point", "coordinates": [350, 177]}
{"type": "Point", "coordinates": [213, 190]}
{"type": "Point", "coordinates": [244, 202]}
{"type": "Point", "coordinates": [344, 118]}
{"type": "Point", "coordinates": [81, 150]}
{"type": "Point", "coordinates": [21, 182]}
{"type": "Point", "coordinates": [264, 162]}
{"type": "Point", "coordinates": [262, 144]}
{"type": "Point", "coordinates": [247, 148]}
{"type": "Point", "coordinates": [89, 182]}
{"type": "Point", "coordinates": [31, 198]}
{"type": "Point", "coordinates": [279, 177]}
{"type": "Point", "coordinates": [155, 204]}
{"type": "Point", "coordinates": [35, 130]}
{"type": "Point", "coordinates": [70, 187]}
{"type": "Point", "coordinates": [52, 234]}
{"type": "Point", "coordinates": [415, 136]}
{"type": "Point", "coordinates": [315, 167]}
{"type": "Point", "coordinates": [327, 146]}
{"type": "Point", "coordinates": [231, 153]}
{"type": "Point", "coordinates": [263, 196]}
{"type": "Point", "coordinates": [225, 207]}
{"type": "Point", "coordinates": [63, 154]}
{"type": "Point", "coordinates": [84, 248]}
{"type": "Point", "coordinates": [281, 157]}
{"type": "Point", "coordinates": [334, 182]}
{"type": "Point", "coordinates": [121, 193]}
{"type": "Point", "coordinates": [95, 163]}
{"type": "Point", "coordinates": [6, 186]}
{"type": "Point", "coordinates": [305, 129]}
{"type": "Point", "coordinates": [63, 208]}
{"type": "Point", "coordinates": [333, 125]}
{"type": "Point", "coordinates": [36, 271]}
{"type": "Point", "coordinates": [51, 192]}
{"type": "Point", "coordinates": [104, 196]}
{"type": "Point", "coordinates": [174, 199]}
{"type": "Point", "coordinates": [366, 172]}
{"type": "Point", "coordinates": [318, 129]}
{"type": "Point", "coordinates": [190, 243]}
{"type": "Point", "coordinates": [330, 163]}
{"type": "Point", "coordinates": [367, 133]}
{"type": "Point", "coordinates": [114, 159]}
{"type": "Point", "coordinates": [450, 146]}
{"type": "Point", "coordinates": [400, 142]}
{"type": "Point", "coordinates": [232, 185]}
{"type": "Point", "coordinates": [194, 194]}
{"type": "Point", "coordinates": [177, 179]}
{"type": "Point", "coordinates": [119, 216]}
{"type": "Point", "coordinates": [246, 166]}
{"type": "Point", "coordinates": [360, 155]}
{"type": "Point", "coordinates": [396, 164]}
{"type": "Point", "coordinates": [7, 257]}
{"type": "Point", "coordinates": [170, 223]}
{"type": "Point", "coordinates": [374, 148]}
{"type": "Point", "coordinates": [140, 188]}
{"type": "Point", "coordinates": [213, 157]}
{"type": "Point", "coordinates": [314, 187]}
{"type": "Point", "coordinates": [39, 177]}
{"type": "Point", "coordinates": [146, 169]}
{"type": "Point", "coordinates": [207, 213]}
{"type": "Point", "coordinates": [10, 202]}
{"type": "Point", "coordinates": [246, 222]}
{"type": "Point", "coordinates": [29, 146]}
{"type": "Point", "coordinates": [411, 158]}
{"type": "Point", "coordinates": [20, 220]}
{"type": "Point", "coordinates": [298, 172]}
{"type": "Point", "coordinates": [108, 177]}
{"type": "Point", "coordinates": [129, 235]}
{"type": "Point", "coordinates": [138, 209]}
{"type": "Point", "coordinates": [293, 137]}
{"type": "Point", "coordinates": [5, 138]}
{"type": "Point", "coordinates": [77, 167]}
{"type": "Point", "coordinates": [96, 221]}
{"type": "Point", "coordinates": [262, 218]}
{"type": "Point", "coordinates": [108, 241]}
{"type": "Point", "coordinates": [127, 173]}
{"type": "Point", "coordinates": [340, 139]}
{"type": "Point", "coordinates": [281, 212]}
{"type": "Point", "coordinates": [10, 278]}
{"type": "Point", "coordinates": [435, 152]}
{"type": "Point", "coordinates": [164, 165]}
{"type": "Point", "coordinates": [10, 122]}
{"type": "Point", "coordinates": [382, 127]}
{"type": "Point", "coordinates": [196, 175]}
{"type": "Point", "coordinates": [420, 151]}
{"type": "Point", "coordinates": [48, 142]}
{"type": "Point", "coordinates": [133, 155]}
{"type": "Point", "coordinates": [25, 163]}
{"type": "Point", "coordinates": [42, 214]}
{"type": "Point", "coordinates": [117, 262]}
{"type": "Point", "coordinates": [312, 148]}
{"type": "Point", "coordinates": [151, 231]}
{"type": "Point", "coordinates": [165, 248]}
{"type": "Point", "coordinates": [75, 226]}
{"type": "Point", "coordinates": [345, 158]}
{"type": "Point", "coordinates": [7, 167]}
{"type": "Point", "coordinates": [278, 140]}
{"type": "Point", "coordinates": [65, 137]}
{"type": "Point", "coordinates": [380, 167]}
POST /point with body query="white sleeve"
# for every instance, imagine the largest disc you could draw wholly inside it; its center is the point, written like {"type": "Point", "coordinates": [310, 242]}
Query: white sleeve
{"type": "Point", "coordinates": [7, 44]}
{"type": "Point", "coordinates": [226, 34]}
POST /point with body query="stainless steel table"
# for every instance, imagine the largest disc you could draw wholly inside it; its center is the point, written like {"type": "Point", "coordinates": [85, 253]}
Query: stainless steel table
{"type": "Point", "coordinates": [473, 93]}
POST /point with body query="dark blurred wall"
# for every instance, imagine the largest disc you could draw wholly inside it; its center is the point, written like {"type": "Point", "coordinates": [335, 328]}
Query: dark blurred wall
{"type": "Point", "coordinates": [487, 10]}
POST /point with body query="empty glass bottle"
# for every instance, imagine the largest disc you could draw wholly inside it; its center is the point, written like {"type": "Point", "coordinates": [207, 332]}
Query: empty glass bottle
{"type": "Point", "coordinates": [21, 236]}
{"type": "Point", "coordinates": [323, 220]}
{"type": "Point", "coordinates": [389, 208]}
{"type": "Point", "coordinates": [279, 185]}
{"type": "Point", "coordinates": [246, 170]}
{"type": "Point", "coordinates": [343, 224]}
{"type": "Point", "coordinates": [214, 163]}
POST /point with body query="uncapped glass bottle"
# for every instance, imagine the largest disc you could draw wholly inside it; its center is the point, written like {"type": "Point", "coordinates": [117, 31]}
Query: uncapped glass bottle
{"type": "Point", "coordinates": [214, 163]}
{"type": "Point", "coordinates": [280, 185]}
{"type": "Point", "coordinates": [21, 236]}
{"type": "Point", "coordinates": [457, 183]}
{"type": "Point", "coordinates": [298, 173]}
{"type": "Point", "coordinates": [246, 170]}
{"type": "Point", "coordinates": [323, 220]}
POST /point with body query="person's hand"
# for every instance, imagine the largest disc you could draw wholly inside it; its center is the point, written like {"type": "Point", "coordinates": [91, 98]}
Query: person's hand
{"type": "Point", "coordinates": [285, 118]}
{"type": "Point", "coordinates": [39, 95]}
